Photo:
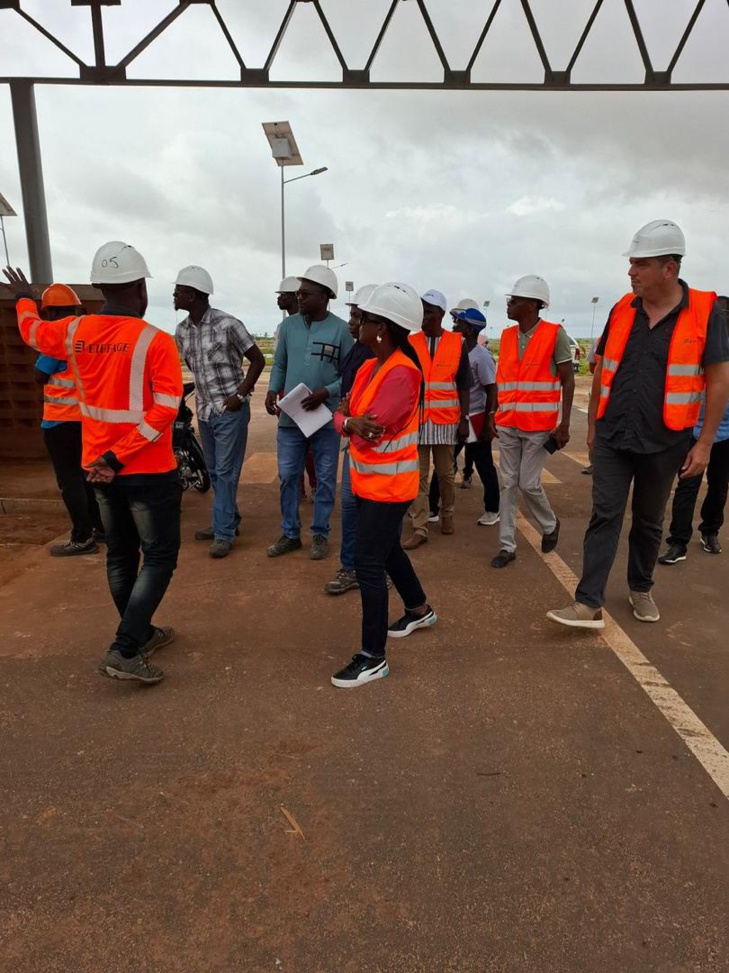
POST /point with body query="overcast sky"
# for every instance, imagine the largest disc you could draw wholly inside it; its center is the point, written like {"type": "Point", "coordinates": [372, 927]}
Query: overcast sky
{"type": "Point", "coordinates": [463, 192]}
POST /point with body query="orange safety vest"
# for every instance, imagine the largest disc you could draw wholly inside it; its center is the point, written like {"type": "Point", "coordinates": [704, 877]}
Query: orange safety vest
{"type": "Point", "coordinates": [128, 380]}
{"type": "Point", "coordinates": [60, 399]}
{"type": "Point", "coordinates": [442, 405]}
{"type": "Point", "coordinates": [685, 381]}
{"type": "Point", "coordinates": [388, 471]}
{"type": "Point", "coordinates": [528, 391]}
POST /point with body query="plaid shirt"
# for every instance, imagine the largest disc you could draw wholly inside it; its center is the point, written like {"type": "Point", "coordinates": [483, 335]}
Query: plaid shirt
{"type": "Point", "coordinates": [214, 351]}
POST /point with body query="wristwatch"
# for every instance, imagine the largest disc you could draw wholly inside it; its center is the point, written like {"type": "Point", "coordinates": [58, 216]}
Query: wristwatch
{"type": "Point", "coordinates": [466, 417]}
{"type": "Point", "coordinates": [241, 398]}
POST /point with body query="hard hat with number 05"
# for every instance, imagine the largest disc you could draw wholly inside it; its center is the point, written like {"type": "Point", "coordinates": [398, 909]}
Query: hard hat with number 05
{"type": "Point", "coordinates": [361, 295]}
{"type": "Point", "coordinates": [324, 276]}
{"type": "Point", "coordinates": [399, 303]}
{"type": "Point", "coordinates": [59, 295]}
{"type": "Point", "coordinates": [659, 238]}
{"type": "Point", "coordinates": [118, 263]}
{"type": "Point", "coordinates": [531, 286]}
{"type": "Point", "coordinates": [196, 277]}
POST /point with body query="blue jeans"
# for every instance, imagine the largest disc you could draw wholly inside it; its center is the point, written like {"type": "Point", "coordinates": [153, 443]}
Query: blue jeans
{"type": "Point", "coordinates": [349, 517]}
{"type": "Point", "coordinates": [223, 440]}
{"type": "Point", "coordinates": [292, 446]}
{"type": "Point", "coordinates": [141, 511]}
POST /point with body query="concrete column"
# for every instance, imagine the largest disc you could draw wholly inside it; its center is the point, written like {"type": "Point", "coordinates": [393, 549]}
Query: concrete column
{"type": "Point", "coordinates": [31, 181]}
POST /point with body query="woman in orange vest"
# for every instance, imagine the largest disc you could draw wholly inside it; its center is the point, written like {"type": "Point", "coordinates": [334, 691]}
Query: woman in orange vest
{"type": "Point", "coordinates": [61, 427]}
{"type": "Point", "coordinates": [381, 417]}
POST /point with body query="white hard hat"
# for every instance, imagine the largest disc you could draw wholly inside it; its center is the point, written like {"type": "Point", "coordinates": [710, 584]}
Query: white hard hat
{"type": "Point", "coordinates": [436, 298]}
{"type": "Point", "coordinates": [360, 295]}
{"type": "Point", "coordinates": [288, 285]}
{"type": "Point", "coordinates": [659, 238]}
{"type": "Point", "coordinates": [531, 286]}
{"type": "Point", "coordinates": [398, 303]}
{"type": "Point", "coordinates": [197, 277]}
{"type": "Point", "coordinates": [324, 276]}
{"type": "Point", "coordinates": [118, 263]}
{"type": "Point", "coordinates": [464, 305]}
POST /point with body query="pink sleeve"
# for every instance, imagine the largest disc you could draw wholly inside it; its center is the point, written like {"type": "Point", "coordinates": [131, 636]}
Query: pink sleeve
{"type": "Point", "coordinates": [339, 422]}
{"type": "Point", "coordinates": [399, 392]}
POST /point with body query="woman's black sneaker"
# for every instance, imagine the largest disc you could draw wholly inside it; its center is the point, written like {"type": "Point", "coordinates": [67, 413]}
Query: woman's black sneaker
{"type": "Point", "coordinates": [710, 543]}
{"type": "Point", "coordinates": [409, 622]}
{"type": "Point", "coordinates": [674, 554]}
{"type": "Point", "coordinates": [362, 669]}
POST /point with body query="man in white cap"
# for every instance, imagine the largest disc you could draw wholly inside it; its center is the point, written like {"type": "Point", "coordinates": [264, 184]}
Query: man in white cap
{"type": "Point", "coordinates": [312, 345]}
{"type": "Point", "coordinates": [129, 384]}
{"type": "Point", "coordinates": [444, 418]}
{"type": "Point", "coordinates": [535, 363]}
{"type": "Point", "coordinates": [214, 344]}
{"type": "Point", "coordinates": [664, 346]}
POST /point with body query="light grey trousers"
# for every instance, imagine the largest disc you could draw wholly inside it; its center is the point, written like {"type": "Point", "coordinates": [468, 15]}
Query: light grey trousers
{"type": "Point", "coordinates": [521, 460]}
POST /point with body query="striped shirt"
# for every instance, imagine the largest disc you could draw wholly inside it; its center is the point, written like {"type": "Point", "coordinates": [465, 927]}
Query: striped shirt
{"type": "Point", "coordinates": [214, 351]}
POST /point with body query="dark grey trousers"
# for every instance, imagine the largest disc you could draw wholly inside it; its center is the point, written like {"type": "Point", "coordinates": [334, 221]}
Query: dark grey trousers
{"type": "Point", "coordinates": [651, 475]}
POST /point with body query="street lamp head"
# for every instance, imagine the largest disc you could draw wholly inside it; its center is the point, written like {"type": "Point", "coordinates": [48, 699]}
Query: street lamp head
{"type": "Point", "coordinates": [315, 172]}
{"type": "Point", "coordinates": [594, 300]}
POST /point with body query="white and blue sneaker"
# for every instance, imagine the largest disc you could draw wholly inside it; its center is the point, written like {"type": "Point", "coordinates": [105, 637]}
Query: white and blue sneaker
{"type": "Point", "coordinates": [362, 669]}
{"type": "Point", "coordinates": [409, 622]}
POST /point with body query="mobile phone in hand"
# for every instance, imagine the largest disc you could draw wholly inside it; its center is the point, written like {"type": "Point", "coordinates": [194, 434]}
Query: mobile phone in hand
{"type": "Point", "coordinates": [551, 445]}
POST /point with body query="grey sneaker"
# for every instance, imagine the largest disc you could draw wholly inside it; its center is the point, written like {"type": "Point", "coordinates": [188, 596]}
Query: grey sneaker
{"type": "Point", "coordinates": [161, 636]}
{"type": "Point", "coordinates": [136, 669]}
{"type": "Point", "coordinates": [284, 545]}
{"type": "Point", "coordinates": [577, 615]}
{"type": "Point", "coordinates": [319, 548]}
{"type": "Point", "coordinates": [72, 548]}
{"type": "Point", "coordinates": [220, 547]}
{"type": "Point", "coordinates": [644, 608]}
{"type": "Point", "coordinates": [344, 581]}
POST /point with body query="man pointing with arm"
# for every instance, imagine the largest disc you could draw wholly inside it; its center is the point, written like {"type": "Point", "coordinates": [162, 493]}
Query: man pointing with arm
{"type": "Point", "coordinates": [129, 385]}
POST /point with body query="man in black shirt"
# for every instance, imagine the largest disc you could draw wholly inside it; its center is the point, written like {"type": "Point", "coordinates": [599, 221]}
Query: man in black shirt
{"type": "Point", "coordinates": [645, 400]}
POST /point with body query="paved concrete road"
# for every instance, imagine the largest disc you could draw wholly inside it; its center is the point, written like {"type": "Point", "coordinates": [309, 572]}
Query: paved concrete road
{"type": "Point", "coordinates": [510, 799]}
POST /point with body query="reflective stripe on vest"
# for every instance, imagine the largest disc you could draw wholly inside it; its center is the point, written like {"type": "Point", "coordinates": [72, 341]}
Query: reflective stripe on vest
{"type": "Point", "coordinates": [60, 402]}
{"type": "Point", "coordinates": [685, 381]}
{"type": "Point", "coordinates": [528, 392]}
{"type": "Point", "coordinates": [441, 400]}
{"type": "Point", "coordinates": [385, 469]}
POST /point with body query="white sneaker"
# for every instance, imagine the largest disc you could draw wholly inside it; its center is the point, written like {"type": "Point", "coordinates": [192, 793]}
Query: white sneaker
{"type": "Point", "coordinates": [488, 519]}
{"type": "Point", "coordinates": [434, 518]}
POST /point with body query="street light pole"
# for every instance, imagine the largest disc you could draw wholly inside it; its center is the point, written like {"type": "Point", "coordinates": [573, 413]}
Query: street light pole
{"type": "Point", "coordinates": [594, 309]}
{"type": "Point", "coordinates": [285, 182]}
{"type": "Point", "coordinates": [283, 227]}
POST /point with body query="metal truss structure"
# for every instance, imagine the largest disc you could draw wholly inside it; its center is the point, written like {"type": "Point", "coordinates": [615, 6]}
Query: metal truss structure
{"type": "Point", "coordinates": [260, 75]}
{"type": "Point", "coordinates": [101, 72]}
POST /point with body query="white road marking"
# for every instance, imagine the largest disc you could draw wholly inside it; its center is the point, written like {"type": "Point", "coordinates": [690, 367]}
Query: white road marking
{"type": "Point", "coordinates": [698, 738]}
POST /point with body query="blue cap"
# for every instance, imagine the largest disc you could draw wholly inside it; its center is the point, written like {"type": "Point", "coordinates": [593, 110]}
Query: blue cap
{"type": "Point", "coordinates": [473, 317]}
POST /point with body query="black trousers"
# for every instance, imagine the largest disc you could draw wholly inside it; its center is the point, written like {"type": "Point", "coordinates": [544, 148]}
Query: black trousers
{"type": "Point", "coordinates": [378, 552]}
{"type": "Point", "coordinates": [651, 475]}
{"type": "Point", "coordinates": [479, 454]}
{"type": "Point", "coordinates": [63, 443]}
{"type": "Point", "coordinates": [141, 515]}
{"type": "Point", "coordinates": [712, 509]}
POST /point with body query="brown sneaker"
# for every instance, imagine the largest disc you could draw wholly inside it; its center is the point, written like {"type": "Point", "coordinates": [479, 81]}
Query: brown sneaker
{"type": "Point", "coordinates": [284, 545]}
{"type": "Point", "coordinates": [416, 539]}
{"type": "Point", "coordinates": [446, 524]}
{"type": "Point", "coordinates": [319, 547]}
{"type": "Point", "coordinates": [577, 615]}
{"type": "Point", "coordinates": [644, 608]}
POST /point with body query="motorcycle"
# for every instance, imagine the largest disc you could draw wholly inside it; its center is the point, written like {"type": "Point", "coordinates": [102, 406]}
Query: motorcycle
{"type": "Point", "coordinates": [191, 466]}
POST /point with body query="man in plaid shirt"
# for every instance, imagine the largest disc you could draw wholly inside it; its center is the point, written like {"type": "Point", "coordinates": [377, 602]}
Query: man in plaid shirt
{"type": "Point", "coordinates": [214, 345]}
